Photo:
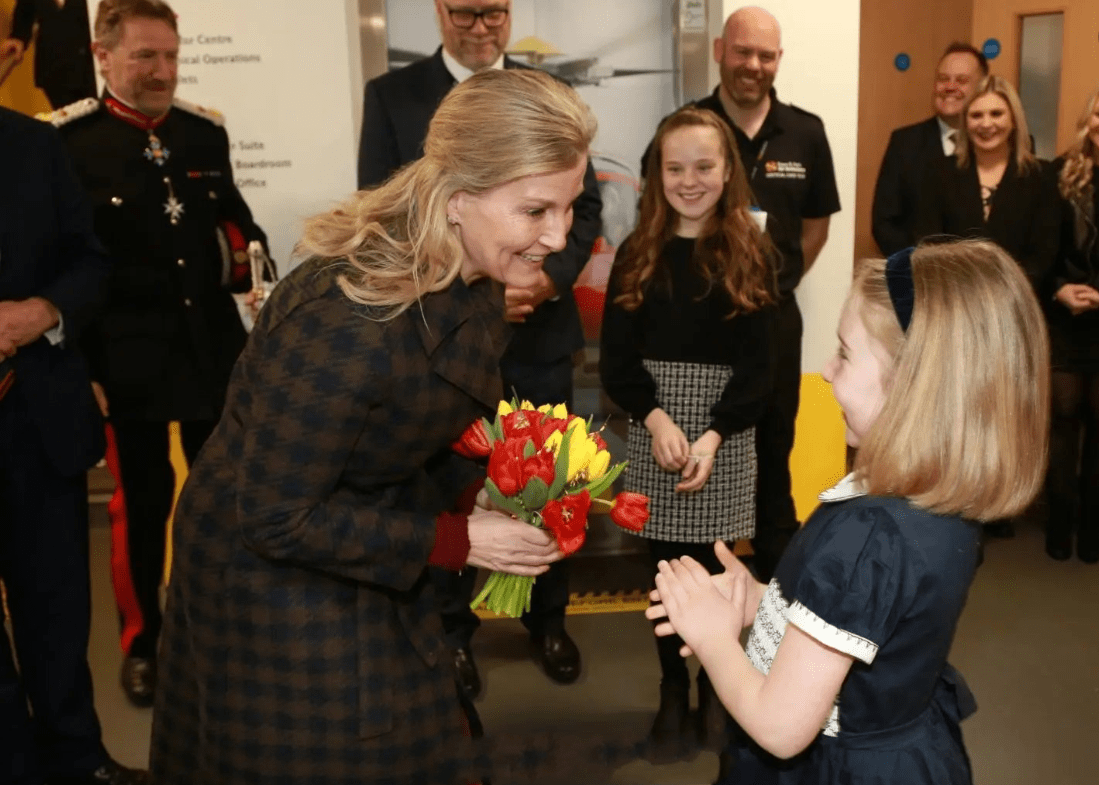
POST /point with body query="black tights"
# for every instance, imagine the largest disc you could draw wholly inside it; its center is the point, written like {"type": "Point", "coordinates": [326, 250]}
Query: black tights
{"type": "Point", "coordinates": [673, 668]}
{"type": "Point", "coordinates": [1072, 485]}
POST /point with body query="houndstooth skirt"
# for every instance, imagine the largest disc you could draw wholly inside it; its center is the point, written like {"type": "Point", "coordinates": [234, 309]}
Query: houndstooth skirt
{"type": "Point", "coordinates": [725, 507]}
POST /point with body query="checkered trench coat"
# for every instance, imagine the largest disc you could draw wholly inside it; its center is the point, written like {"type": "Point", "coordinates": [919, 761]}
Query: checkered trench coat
{"type": "Point", "coordinates": [300, 643]}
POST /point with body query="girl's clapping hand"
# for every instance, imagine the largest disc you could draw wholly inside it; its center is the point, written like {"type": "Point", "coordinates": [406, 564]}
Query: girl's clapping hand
{"type": "Point", "coordinates": [697, 606]}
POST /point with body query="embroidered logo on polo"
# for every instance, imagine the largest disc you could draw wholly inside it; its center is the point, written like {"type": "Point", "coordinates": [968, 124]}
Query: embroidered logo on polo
{"type": "Point", "coordinates": [784, 170]}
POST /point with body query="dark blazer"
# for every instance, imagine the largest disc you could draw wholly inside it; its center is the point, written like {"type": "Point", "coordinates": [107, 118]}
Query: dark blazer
{"type": "Point", "coordinates": [1074, 340]}
{"type": "Point", "coordinates": [911, 149]}
{"type": "Point", "coordinates": [48, 249]}
{"type": "Point", "coordinates": [1024, 219]}
{"type": "Point", "coordinates": [301, 641]}
{"type": "Point", "coordinates": [63, 65]}
{"type": "Point", "coordinates": [170, 331]}
{"type": "Point", "coordinates": [397, 108]}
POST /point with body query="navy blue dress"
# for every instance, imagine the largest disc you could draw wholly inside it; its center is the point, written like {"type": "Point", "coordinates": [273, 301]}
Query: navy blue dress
{"type": "Point", "coordinates": [885, 582]}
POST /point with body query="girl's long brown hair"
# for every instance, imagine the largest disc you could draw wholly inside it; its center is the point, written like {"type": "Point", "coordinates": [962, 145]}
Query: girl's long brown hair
{"type": "Point", "coordinates": [730, 249]}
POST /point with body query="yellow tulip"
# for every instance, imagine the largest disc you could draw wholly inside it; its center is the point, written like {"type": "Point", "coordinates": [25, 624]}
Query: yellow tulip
{"type": "Point", "coordinates": [581, 451]}
{"type": "Point", "coordinates": [598, 465]}
{"type": "Point", "coordinates": [527, 405]}
{"type": "Point", "coordinates": [503, 409]}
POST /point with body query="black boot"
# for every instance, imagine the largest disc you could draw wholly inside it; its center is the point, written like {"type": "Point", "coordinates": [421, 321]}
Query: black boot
{"type": "Point", "coordinates": [713, 720]}
{"type": "Point", "coordinates": [669, 738]}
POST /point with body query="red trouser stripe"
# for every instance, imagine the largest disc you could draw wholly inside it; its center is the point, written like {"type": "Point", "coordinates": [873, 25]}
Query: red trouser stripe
{"type": "Point", "coordinates": [133, 622]}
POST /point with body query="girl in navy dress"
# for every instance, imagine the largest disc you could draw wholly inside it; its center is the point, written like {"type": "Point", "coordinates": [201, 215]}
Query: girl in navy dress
{"type": "Point", "coordinates": [943, 378]}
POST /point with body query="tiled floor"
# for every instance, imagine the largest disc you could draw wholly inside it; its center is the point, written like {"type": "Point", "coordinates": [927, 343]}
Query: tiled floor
{"type": "Point", "coordinates": [1028, 645]}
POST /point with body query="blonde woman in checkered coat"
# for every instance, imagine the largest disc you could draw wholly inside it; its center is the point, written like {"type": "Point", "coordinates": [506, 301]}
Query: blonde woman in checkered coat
{"type": "Point", "coordinates": [301, 641]}
{"type": "Point", "coordinates": [687, 352]}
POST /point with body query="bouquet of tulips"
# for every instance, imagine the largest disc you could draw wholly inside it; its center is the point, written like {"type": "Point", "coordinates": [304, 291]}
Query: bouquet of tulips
{"type": "Point", "coordinates": [548, 468]}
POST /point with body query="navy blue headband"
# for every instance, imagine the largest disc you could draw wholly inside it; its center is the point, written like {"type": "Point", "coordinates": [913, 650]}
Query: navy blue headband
{"type": "Point", "coordinates": [898, 278]}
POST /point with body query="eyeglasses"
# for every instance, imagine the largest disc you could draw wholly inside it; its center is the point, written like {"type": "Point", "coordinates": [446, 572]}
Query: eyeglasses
{"type": "Point", "coordinates": [465, 18]}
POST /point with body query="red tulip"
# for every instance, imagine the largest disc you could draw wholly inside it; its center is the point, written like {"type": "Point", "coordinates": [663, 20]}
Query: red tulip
{"type": "Point", "coordinates": [542, 464]}
{"type": "Point", "coordinates": [567, 518]}
{"type": "Point", "coordinates": [630, 510]}
{"type": "Point", "coordinates": [551, 425]}
{"type": "Point", "coordinates": [505, 466]}
{"type": "Point", "coordinates": [521, 424]}
{"type": "Point", "coordinates": [474, 441]}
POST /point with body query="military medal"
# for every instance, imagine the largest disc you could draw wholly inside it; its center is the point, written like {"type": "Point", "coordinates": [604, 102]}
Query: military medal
{"type": "Point", "coordinates": [156, 151]}
{"type": "Point", "coordinates": [173, 207]}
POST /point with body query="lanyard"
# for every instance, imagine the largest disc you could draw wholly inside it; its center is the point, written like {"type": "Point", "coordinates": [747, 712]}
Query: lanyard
{"type": "Point", "coordinates": [755, 166]}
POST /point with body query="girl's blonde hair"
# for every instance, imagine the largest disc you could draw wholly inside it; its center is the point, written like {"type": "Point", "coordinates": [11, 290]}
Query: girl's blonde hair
{"type": "Point", "coordinates": [1075, 181]}
{"type": "Point", "coordinates": [964, 426]}
{"type": "Point", "coordinates": [1020, 137]}
{"type": "Point", "coordinates": [497, 126]}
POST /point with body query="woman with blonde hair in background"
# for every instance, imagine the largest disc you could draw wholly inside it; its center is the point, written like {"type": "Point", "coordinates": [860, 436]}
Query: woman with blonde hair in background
{"type": "Point", "coordinates": [1072, 487]}
{"type": "Point", "coordinates": [302, 641]}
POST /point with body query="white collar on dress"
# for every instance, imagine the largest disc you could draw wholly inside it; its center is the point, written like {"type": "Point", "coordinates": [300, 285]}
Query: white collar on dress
{"type": "Point", "coordinates": [847, 488]}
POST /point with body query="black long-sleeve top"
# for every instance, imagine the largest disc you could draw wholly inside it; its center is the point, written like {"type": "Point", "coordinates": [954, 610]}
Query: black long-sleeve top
{"type": "Point", "coordinates": [684, 319]}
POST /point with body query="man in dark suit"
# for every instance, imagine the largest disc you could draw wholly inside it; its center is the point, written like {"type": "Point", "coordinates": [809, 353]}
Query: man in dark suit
{"type": "Point", "coordinates": [397, 108]}
{"type": "Point", "coordinates": [63, 54]}
{"type": "Point", "coordinates": [158, 173]}
{"type": "Point", "coordinates": [913, 148]}
{"type": "Point", "coordinates": [52, 276]}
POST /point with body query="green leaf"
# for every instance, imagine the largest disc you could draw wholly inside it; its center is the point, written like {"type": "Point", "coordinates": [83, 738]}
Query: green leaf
{"type": "Point", "coordinates": [596, 487]}
{"type": "Point", "coordinates": [562, 468]}
{"type": "Point", "coordinates": [528, 449]}
{"type": "Point", "coordinates": [504, 502]}
{"type": "Point", "coordinates": [490, 429]}
{"type": "Point", "coordinates": [536, 494]}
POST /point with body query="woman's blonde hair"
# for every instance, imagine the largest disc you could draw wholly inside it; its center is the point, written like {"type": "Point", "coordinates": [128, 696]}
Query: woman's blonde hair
{"type": "Point", "coordinates": [1020, 137]}
{"type": "Point", "coordinates": [497, 126]}
{"type": "Point", "coordinates": [1075, 181]}
{"type": "Point", "coordinates": [963, 429]}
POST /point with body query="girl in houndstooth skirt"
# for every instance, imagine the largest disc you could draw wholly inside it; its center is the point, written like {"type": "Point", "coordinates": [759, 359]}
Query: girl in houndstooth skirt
{"type": "Point", "coordinates": [686, 350]}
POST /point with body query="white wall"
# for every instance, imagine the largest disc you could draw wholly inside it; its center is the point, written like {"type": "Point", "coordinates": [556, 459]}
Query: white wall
{"type": "Point", "coordinates": [819, 72]}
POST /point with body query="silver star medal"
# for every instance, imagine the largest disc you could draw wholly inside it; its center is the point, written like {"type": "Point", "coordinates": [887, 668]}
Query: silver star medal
{"type": "Point", "coordinates": [174, 208]}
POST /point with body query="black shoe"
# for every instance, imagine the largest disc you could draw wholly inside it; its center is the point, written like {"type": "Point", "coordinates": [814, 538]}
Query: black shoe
{"type": "Point", "coordinates": [466, 672]}
{"type": "Point", "coordinates": [670, 736]}
{"type": "Point", "coordinates": [139, 680]}
{"type": "Point", "coordinates": [558, 655]}
{"type": "Point", "coordinates": [1059, 548]}
{"type": "Point", "coordinates": [110, 773]}
{"type": "Point", "coordinates": [712, 719]}
{"type": "Point", "coordinates": [1001, 530]}
{"type": "Point", "coordinates": [1087, 549]}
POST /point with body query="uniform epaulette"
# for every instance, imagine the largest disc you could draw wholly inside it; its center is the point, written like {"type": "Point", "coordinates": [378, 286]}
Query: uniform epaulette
{"type": "Point", "coordinates": [66, 114]}
{"type": "Point", "coordinates": [213, 115]}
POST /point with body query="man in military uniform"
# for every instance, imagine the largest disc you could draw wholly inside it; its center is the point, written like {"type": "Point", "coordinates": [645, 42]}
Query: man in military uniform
{"type": "Point", "coordinates": [52, 277]}
{"type": "Point", "coordinates": [159, 177]}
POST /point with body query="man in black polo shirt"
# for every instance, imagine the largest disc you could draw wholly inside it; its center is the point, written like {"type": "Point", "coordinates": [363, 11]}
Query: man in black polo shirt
{"type": "Point", "coordinates": [789, 165]}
